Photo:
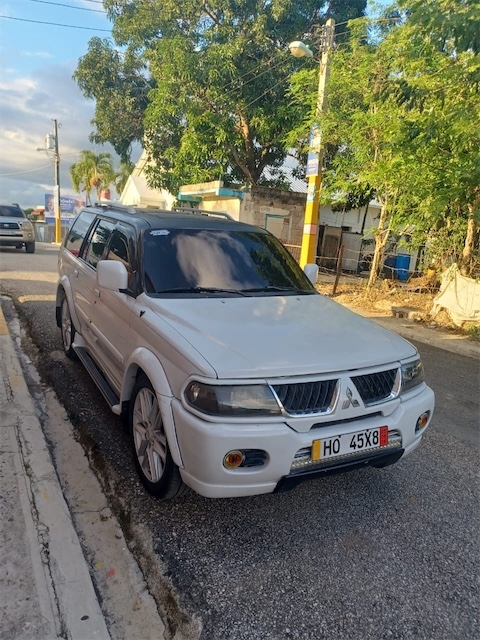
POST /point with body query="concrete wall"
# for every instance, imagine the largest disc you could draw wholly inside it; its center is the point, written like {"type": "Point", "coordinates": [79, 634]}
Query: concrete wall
{"type": "Point", "coordinates": [263, 205]}
{"type": "Point", "coordinates": [223, 205]}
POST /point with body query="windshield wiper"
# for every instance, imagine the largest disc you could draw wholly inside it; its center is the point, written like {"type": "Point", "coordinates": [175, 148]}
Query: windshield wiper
{"type": "Point", "coordinates": [275, 289]}
{"type": "Point", "coordinates": [201, 290]}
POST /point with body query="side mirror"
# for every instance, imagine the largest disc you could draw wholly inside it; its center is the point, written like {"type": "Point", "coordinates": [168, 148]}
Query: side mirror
{"type": "Point", "coordinates": [112, 275]}
{"type": "Point", "coordinates": [311, 271]}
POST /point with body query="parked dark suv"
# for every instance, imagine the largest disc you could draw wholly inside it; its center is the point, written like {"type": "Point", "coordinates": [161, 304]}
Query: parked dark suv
{"type": "Point", "coordinates": [15, 229]}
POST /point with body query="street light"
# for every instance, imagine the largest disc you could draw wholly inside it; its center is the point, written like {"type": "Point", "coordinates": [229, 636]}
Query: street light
{"type": "Point", "coordinates": [300, 50]}
{"type": "Point", "coordinates": [51, 144]}
{"type": "Point", "coordinates": [315, 156]}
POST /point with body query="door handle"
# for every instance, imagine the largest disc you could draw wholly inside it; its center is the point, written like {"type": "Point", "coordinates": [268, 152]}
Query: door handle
{"type": "Point", "coordinates": [96, 292]}
{"type": "Point", "coordinates": [75, 273]}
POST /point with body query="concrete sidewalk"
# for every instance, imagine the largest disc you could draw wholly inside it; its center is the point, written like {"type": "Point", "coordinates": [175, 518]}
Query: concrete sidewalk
{"type": "Point", "coordinates": [418, 332]}
{"type": "Point", "coordinates": [46, 588]}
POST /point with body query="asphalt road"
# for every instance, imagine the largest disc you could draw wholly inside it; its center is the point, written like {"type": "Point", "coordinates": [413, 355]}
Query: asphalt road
{"type": "Point", "coordinates": [387, 553]}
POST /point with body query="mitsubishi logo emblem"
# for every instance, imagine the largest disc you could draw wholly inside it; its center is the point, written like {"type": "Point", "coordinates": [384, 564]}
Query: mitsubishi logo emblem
{"type": "Point", "coordinates": [350, 400]}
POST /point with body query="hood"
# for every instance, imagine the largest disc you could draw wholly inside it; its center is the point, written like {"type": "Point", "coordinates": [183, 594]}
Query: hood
{"type": "Point", "coordinates": [275, 336]}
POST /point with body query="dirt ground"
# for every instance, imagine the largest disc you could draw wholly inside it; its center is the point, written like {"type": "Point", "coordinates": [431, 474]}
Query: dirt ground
{"type": "Point", "coordinates": [415, 296]}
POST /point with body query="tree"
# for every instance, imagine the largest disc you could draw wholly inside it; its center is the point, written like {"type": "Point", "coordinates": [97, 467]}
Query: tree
{"type": "Point", "coordinates": [122, 176]}
{"type": "Point", "coordinates": [444, 112]}
{"type": "Point", "coordinates": [202, 83]}
{"type": "Point", "coordinates": [403, 121]}
{"type": "Point", "coordinates": [92, 171]}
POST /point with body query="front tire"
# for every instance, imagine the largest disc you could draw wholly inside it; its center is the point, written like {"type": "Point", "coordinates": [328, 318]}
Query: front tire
{"type": "Point", "coordinates": [68, 331]}
{"type": "Point", "coordinates": [153, 460]}
{"type": "Point", "coordinates": [30, 247]}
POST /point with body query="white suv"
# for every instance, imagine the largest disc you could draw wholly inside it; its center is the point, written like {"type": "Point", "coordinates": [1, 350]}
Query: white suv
{"type": "Point", "coordinates": [234, 375]}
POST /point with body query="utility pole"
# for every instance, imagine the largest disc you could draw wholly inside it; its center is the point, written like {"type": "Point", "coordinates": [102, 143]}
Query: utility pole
{"type": "Point", "coordinates": [316, 155]}
{"type": "Point", "coordinates": [56, 188]}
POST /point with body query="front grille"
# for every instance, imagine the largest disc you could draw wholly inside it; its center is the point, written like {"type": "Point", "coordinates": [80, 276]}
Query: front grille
{"type": "Point", "coordinates": [305, 398]}
{"type": "Point", "coordinates": [375, 387]}
{"type": "Point", "coordinates": [9, 225]}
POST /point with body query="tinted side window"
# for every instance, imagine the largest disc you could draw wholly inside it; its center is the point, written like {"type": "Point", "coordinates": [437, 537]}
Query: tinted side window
{"type": "Point", "coordinates": [98, 242]}
{"type": "Point", "coordinates": [78, 231]}
{"type": "Point", "coordinates": [118, 248]}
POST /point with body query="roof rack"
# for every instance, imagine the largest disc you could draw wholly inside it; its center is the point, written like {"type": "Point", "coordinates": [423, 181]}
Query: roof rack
{"type": "Point", "coordinates": [117, 206]}
{"type": "Point", "coordinates": [202, 212]}
{"type": "Point", "coordinates": [134, 210]}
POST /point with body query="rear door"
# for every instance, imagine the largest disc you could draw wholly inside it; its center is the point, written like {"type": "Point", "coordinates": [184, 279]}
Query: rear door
{"type": "Point", "coordinates": [86, 291]}
{"type": "Point", "coordinates": [110, 312]}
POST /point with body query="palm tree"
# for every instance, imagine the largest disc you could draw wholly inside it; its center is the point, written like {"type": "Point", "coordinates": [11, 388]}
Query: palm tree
{"type": "Point", "coordinates": [92, 171]}
{"type": "Point", "coordinates": [122, 176]}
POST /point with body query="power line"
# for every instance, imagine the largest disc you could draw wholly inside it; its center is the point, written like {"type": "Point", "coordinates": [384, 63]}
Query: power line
{"type": "Point", "coordinates": [56, 24]}
{"type": "Point", "coordinates": [69, 6]}
{"type": "Point", "coordinates": [366, 18]}
{"type": "Point", "coordinates": [19, 173]}
{"type": "Point", "coordinates": [276, 84]}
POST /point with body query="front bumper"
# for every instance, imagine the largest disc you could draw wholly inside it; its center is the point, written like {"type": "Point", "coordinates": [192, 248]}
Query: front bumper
{"type": "Point", "coordinates": [203, 446]}
{"type": "Point", "coordinates": [20, 237]}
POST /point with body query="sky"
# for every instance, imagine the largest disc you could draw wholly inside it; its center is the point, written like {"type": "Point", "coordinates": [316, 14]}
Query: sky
{"type": "Point", "coordinates": [37, 61]}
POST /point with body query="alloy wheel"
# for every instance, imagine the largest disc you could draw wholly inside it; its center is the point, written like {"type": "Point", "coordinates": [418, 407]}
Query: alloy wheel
{"type": "Point", "coordinates": [149, 435]}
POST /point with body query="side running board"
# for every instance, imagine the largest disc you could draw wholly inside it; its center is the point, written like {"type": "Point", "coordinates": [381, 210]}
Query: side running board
{"type": "Point", "coordinates": [98, 377]}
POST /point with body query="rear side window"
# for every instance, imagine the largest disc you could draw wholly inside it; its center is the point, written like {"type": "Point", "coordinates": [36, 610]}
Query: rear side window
{"type": "Point", "coordinates": [98, 241]}
{"type": "Point", "coordinates": [78, 231]}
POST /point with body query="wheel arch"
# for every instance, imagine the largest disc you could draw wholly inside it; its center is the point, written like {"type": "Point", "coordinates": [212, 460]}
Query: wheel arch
{"type": "Point", "coordinates": [64, 290]}
{"type": "Point", "coordinates": [143, 361]}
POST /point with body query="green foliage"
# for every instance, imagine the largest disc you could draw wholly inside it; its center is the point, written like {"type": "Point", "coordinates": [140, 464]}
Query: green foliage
{"type": "Point", "coordinates": [452, 24]}
{"type": "Point", "coordinates": [473, 331]}
{"type": "Point", "coordinates": [201, 84]}
{"type": "Point", "coordinates": [92, 171]}
{"type": "Point", "coordinates": [120, 88]}
{"type": "Point", "coordinates": [403, 115]}
{"type": "Point", "coordinates": [122, 176]}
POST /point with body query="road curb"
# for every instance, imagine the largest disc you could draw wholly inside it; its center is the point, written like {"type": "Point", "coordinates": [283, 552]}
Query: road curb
{"type": "Point", "coordinates": [60, 570]}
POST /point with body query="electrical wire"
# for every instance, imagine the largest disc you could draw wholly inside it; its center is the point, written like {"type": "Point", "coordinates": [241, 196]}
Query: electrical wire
{"type": "Point", "coordinates": [275, 85]}
{"type": "Point", "coordinates": [19, 173]}
{"type": "Point", "coordinates": [339, 24]}
{"type": "Point", "coordinates": [258, 75]}
{"type": "Point", "coordinates": [69, 6]}
{"type": "Point", "coordinates": [56, 24]}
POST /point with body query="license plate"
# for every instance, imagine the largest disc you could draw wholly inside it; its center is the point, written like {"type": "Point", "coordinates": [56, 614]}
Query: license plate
{"type": "Point", "coordinates": [349, 443]}
{"type": "Point", "coordinates": [8, 232]}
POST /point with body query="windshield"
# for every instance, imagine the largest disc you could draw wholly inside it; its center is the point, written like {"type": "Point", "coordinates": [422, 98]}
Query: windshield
{"type": "Point", "coordinates": [209, 262]}
{"type": "Point", "coordinates": [11, 212]}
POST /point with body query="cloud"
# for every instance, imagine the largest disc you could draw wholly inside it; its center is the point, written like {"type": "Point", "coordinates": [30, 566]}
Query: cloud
{"type": "Point", "coordinates": [38, 54]}
{"type": "Point", "coordinates": [29, 102]}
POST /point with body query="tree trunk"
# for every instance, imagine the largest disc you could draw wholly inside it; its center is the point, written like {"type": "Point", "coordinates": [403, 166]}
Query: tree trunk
{"type": "Point", "coordinates": [381, 237]}
{"type": "Point", "coordinates": [471, 240]}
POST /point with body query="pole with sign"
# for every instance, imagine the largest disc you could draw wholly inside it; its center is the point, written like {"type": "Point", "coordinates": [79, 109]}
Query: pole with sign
{"type": "Point", "coordinates": [315, 158]}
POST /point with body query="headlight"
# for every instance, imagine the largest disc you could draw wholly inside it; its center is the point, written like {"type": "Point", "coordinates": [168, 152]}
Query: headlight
{"type": "Point", "coordinates": [412, 375]}
{"type": "Point", "coordinates": [229, 400]}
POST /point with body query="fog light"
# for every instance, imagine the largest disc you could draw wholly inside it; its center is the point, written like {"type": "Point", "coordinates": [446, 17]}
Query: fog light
{"type": "Point", "coordinates": [422, 421]}
{"type": "Point", "coordinates": [233, 459]}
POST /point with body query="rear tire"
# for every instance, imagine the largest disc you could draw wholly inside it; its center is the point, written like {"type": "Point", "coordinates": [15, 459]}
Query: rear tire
{"type": "Point", "coordinates": [30, 247]}
{"type": "Point", "coordinates": [153, 460]}
{"type": "Point", "coordinates": [68, 331]}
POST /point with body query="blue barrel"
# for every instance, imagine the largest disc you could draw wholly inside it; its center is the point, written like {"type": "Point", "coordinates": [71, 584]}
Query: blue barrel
{"type": "Point", "coordinates": [402, 264]}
